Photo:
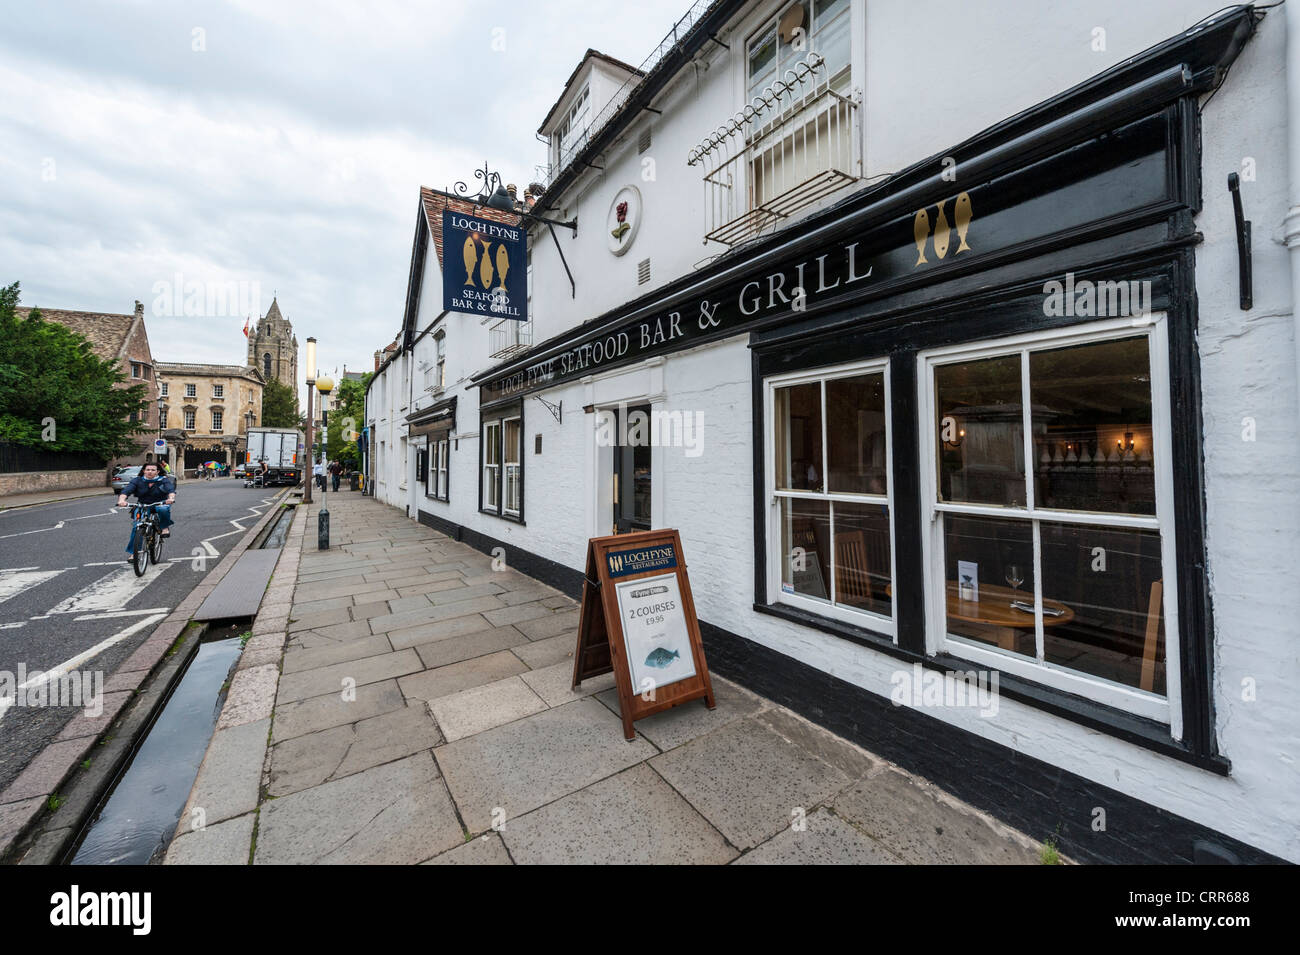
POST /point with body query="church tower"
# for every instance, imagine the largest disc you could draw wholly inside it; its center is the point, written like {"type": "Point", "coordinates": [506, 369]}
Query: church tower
{"type": "Point", "coordinates": [273, 349]}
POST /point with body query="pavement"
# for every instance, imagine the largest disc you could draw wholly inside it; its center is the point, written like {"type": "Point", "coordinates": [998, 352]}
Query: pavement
{"type": "Point", "coordinates": [402, 701]}
{"type": "Point", "coordinates": [49, 497]}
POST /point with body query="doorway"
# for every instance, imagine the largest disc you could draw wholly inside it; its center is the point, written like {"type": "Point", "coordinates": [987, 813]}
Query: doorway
{"type": "Point", "coordinates": [632, 457]}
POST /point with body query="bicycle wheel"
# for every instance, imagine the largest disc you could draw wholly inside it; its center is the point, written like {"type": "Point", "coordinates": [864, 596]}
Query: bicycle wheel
{"type": "Point", "coordinates": [140, 544]}
{"type": "Point", "coordinates": [155, 545]}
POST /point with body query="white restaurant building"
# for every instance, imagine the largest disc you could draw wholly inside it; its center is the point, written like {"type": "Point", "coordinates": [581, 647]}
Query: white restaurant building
{"type": "Point", "coordinates": [960, 366]}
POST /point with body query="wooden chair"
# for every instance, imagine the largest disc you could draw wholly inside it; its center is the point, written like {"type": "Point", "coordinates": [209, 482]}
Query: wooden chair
{"type": "Point", "coordinates": [852, 572]}
{"type": "Point", "coordinates": [1149, 646]}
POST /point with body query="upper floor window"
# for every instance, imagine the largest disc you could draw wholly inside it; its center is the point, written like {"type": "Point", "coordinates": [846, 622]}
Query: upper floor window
{"type": "Point", "coordinates": [162, 385]}
{"type": "Point", "coordinates": [189, 421]}
{"type": "Point", "coordinates": [440, 369]}
{"type": "Point", "coordinates": [136, 370]}
{"type": "Point", "coordinates": [218, 391]}
{"type": "Point", "coordinates": [572, 134]}
{"type": "Point", "coordinates": [266, 365]}
{"type": "Point", "coordinates": [820, 26]}
{"type": "Point", "coordinates": [216, 422]}
{"type": "Point", "coordinates": [191, 391]}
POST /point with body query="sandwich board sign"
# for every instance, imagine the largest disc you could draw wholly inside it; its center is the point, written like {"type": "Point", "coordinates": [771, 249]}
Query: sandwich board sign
{"type": "Point", "coordinates": [638, 619]}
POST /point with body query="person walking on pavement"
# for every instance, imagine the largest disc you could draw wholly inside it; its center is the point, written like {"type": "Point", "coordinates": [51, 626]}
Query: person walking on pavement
{"type": "Point", "coordinates": [318, 471]}
{"type": "Point", "coordinates": [336, 472]}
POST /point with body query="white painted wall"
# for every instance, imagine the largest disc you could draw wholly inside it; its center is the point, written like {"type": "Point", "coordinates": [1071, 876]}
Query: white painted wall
{"type": "Point", "coordinates": [932, 74]}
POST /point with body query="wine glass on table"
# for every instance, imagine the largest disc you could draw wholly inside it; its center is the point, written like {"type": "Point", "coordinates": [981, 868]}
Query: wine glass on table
{"type": "Point", "coordinates": [1015, 576]}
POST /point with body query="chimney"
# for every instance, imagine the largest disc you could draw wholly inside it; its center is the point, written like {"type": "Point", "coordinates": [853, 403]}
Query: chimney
{"type": "Point", "coordinates": [377, 354]}
{"type": "Point", "coordinates": [139, 310]}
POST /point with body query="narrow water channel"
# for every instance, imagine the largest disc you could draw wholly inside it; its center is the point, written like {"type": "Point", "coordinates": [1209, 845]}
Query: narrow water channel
{"type": "Point", "coordinates": [136, 825]}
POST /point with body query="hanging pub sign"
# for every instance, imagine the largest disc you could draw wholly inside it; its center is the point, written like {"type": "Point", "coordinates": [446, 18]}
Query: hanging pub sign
{"type": "Point", "coordinates": [484, 267]}
{"type": "Point", "coordinates": [638, 619]}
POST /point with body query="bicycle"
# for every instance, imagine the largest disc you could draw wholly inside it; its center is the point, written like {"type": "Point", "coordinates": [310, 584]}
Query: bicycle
{"type": "Point", "coordinates": [146, 537]}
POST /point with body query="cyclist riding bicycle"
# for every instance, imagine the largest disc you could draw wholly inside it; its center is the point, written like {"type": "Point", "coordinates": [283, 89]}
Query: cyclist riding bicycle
{"type": "Point", "coordinates": [150, 487]}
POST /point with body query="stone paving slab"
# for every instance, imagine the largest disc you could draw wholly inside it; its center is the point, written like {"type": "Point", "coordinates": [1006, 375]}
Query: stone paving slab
{"type": "Point", "coordinates": [309, 683]}
{"type": "Point", "coordinates": [229, 777]}
{"type": "Point", "coordinates": [478, 644]}
{"type": "Point", "coordinates": [487, 849]}
{"type": "Point", "coordinates": [299, 659]}
{"type": "Point", "coordinates": [748, 780]}
{"type": "Point", "coordinates": [225, 843]}
{"type": "Point", "coordinates": [923, 825]}
{"type": "Point", "coordinates": [251, 696]}
{"type": "Point", "coordinates": [530, 762]}
{"type": "Point", "coordinates": [483, 707]}
{"type": "Point", "coordinates": [335, 709]}
{"type": "Point", "coordinates": [544, 653]}
{"type": "Point", "coordinates": [554, 684]}
{"type": "Point", "coordinates": [395, 814]}
{"type": "Point", "coordinates": [310, 760]}
{"type": "Point", "coordinates": [631, 818]}
{"type": "Point", "coordinates": [444, 681]}
{"type": "Point", "coordinates": [824, 839]}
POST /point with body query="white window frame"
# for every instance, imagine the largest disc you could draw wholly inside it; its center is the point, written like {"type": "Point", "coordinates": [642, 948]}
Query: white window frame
{"type": "Point", "coordinates": [162, 393]}
{"type": "Point", "coordinates": [218, 420]}
{"type": "Point", "coordinates": [189, 419]}
{"type": "Point", "coordinates": [576, 137]}
{"type": "Point", "coordinates": [494, 481]}
{"type": "Point", "coordinates": [435, 483]}
{"type": "Point", "coordinates": [191, 391]}
{"type": "Point", "coordinates": [1166, 709]}
{"type": "Point", "coordinates": [218, 391]}
{"type": "Point", "coordinates": [866, 619]}
{"type": "Point", "coordinates": [518, 465]}
{"type": "Point", "coordinates": [772, 21]}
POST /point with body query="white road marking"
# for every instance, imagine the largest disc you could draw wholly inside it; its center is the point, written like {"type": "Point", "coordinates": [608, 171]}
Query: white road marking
{"type": "Point", "coordinates": [14, 570]}
{"type": "Point", "coordinates": [15, 582]}
{"type": "Point", "coordinates": [58, 671]}
{"type": "Point", "coordinates": [123, 613]}
{"type": "Point", "coordinates": [58, 526]}
{"type": "Point", "coordinates": [13, 626]}
{"type": "Point", "coordinates": [111, 592]}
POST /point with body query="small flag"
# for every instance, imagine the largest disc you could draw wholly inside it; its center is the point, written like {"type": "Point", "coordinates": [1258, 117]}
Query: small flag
{"type": "Point", "coordinates": [246, 321]}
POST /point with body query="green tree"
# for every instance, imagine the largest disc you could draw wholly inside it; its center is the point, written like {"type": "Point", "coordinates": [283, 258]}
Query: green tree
{"type": "Point", "coordinates": [279, 406]}
{"type": "Point", "coordinates": [346, 421]}
{"type": "Point", "coordinates": [56, 394]}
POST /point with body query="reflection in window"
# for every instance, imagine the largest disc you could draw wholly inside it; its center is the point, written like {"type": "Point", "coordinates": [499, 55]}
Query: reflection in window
{"type": "Point", "coordinates": [981, 432]}
{"type": "Point", "coordinates": [1092, 427]}
{"type": "Point", "coordinates": [799, 437]}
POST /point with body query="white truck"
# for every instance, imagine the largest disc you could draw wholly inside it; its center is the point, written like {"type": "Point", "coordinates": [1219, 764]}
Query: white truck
{"type": "Point", "coordinates": [279, 448]}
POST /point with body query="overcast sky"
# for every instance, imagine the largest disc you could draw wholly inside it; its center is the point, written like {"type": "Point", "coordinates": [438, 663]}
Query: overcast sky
{"type": "Point", "coordinates": [274, 143]}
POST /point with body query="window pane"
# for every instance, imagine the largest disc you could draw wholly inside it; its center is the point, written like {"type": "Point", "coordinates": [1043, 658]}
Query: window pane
{"type": "Point", "coordinates": [492, 443]}
{"type": "Point", "coordinates": [832, 36]}
{"type": "Point", "coordinates": [1111, 580]}
{"type": "Point", "coordinates": [805, 547]}
{"type": "Point", "coordinates": [762, 61]}
{"type": "Point", "coordinates": [512, 441]}
{"type": "Point", "coordinates": [855, 434]}
{"type": "Point", "coordinates": [981, 432]}
{"type": "Point", "coordinates": [1092, 427]}
{"type": "Point", "coordinates": [799, 437]}
{"type": "Point", "coordinates": [862, 560]}
{"type": "Point", "coordinates": [988, 565]}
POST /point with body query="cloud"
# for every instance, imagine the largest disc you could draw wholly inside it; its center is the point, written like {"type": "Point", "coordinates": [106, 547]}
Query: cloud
{"type": "Point", "coordinates": [279, 145]}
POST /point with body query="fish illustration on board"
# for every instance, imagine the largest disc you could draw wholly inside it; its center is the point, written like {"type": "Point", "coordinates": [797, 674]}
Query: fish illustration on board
{"type": "Point", "coordinates": [921, 232]}
{"type": "Point", "coordinates": [471, 259]}
{"type": "Point", "coordinates": [962, 216]}
{"type": "Point", "coordinates": [485, 266]}
{"type": "Point", "coordinates": [660, 658]}
{"type": "Point", "coordinates": [941, 230]}
{"type": "Point", "coordinates": [503, 263]}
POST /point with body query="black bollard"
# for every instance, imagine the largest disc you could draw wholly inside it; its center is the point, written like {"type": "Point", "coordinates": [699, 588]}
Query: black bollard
{"type": "Point", "coordinates": [323, 530]}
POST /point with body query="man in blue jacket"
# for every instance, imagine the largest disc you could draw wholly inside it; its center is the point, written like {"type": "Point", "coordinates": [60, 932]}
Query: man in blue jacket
{"type": "Point", "coordinates": [150, 487]}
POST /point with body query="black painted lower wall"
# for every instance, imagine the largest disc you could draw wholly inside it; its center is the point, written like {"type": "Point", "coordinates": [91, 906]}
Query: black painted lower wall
{"type": "Point", "coordinates": [1041, 800]}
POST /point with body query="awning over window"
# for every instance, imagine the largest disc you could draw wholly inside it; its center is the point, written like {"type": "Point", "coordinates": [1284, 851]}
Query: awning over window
{"type": "Point", "coordinates": [436, 419]}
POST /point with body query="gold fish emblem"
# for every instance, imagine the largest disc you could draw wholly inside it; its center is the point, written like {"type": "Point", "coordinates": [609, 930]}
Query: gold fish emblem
{"type": "Point", "coordinates": [485, 266]}
{"type": "Point", "coordinates": [471, 259]}
{"type": "Point", "coordinates": [941, 230]}
{"type": "Point", "coordinates": [962, 216]}
{"type": "Point", "coordinates": [921, 232]}
{"type": "Point", "coordinates": [503, 263]}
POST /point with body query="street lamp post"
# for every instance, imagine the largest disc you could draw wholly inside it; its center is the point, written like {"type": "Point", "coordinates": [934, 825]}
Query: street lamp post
{"type": "Point", "coordinates": [324, 384]}
{"type": "Point", "coordinates": [161, 406]}
{"type": "Point", "coordinates": [307, 477]}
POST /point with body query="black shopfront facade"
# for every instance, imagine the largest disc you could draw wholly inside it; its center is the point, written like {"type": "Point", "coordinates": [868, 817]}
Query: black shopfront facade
{"type": "Point", "coordinates": [977, 386]}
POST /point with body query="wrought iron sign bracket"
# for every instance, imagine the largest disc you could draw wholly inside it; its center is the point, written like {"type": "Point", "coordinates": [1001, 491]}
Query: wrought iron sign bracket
{"type": "Point", "coordinates": [1244, 266]}
{"type": "Point", "coordinates": [573, 287]}
{"type": "Point", "coordinates": [557, 411]}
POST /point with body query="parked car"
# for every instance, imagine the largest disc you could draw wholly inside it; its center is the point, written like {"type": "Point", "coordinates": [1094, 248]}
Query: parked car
{"type": "Point", "coordinates": [239, 470]}
{"type": "Point", "coordinates": [123, 477]}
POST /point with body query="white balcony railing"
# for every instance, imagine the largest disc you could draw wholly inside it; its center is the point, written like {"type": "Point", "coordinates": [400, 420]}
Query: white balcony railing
{"type": "Point", "coordinates": [796, 143]}
{"type": "Point", "coordinates": [507, 338]}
